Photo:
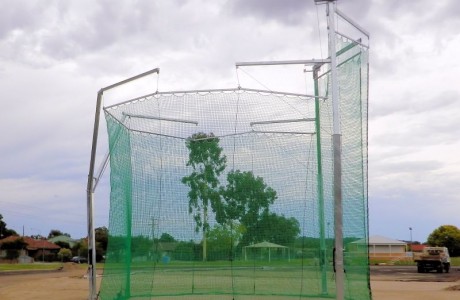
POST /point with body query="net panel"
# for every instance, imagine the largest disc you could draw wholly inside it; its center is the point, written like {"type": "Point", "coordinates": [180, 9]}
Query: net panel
{"type": "Point", "coordinates": [353, 84]}
{"type": "Point", "coordinates": [211, 199]}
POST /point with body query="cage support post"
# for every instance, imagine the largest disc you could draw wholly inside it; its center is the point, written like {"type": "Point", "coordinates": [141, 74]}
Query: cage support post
{"type": "Point", "coordinates": [90, 202]}
{"type": "Point", "coordinates": [320, 187]}
{"type": "Point", "coordinates": [91, 185]}
{"type": "Point", "coordinates": [336, 145]}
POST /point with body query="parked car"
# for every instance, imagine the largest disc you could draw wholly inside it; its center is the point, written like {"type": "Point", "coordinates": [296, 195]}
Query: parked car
{"type": "Point", "coordinates": [79, 259]}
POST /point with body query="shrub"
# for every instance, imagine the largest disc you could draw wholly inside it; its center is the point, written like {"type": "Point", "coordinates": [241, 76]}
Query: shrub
{"type": "Point", "coordinates": [12, 254]}
{"type": "Point", "coordinates": [65, 254]}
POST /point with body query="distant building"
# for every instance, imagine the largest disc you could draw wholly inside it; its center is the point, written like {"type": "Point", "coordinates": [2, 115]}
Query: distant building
{"type": "Point", "coordinates": [383, 247]}
{"type": "Point", "coordinates": [417, 247]}
{"type": "Point", "coordinates": [35, 249]}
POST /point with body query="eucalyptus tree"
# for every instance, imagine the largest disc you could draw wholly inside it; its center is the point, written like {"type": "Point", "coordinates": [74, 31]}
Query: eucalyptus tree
{"type": "Point", "coordinates": [207, 162]}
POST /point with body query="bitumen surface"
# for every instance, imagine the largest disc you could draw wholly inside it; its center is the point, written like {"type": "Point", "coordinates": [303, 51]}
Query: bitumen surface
{"type": "Point", "coordinates": [409, 273]}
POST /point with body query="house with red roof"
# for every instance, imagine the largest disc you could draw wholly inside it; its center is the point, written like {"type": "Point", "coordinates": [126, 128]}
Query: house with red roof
{"type": "Point", "coordinates": [417, 247]}
{"type": "Point", "coordinates": [33, 249]}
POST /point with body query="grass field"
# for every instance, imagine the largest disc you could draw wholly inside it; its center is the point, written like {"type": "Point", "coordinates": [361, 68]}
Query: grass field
{"type": "Point", "coordinates": [265, 279]}
{"type": "Point", "coordinates": [455, 261]}
{"type": "Point", "coordinates": [30, 267]}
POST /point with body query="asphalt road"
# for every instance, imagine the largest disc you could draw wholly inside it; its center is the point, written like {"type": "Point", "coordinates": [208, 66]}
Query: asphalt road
{"type": "Point", "coordinates": [409, 273]}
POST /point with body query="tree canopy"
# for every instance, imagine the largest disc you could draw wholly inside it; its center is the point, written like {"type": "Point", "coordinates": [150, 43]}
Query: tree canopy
{"type": "Point", "coordinates": [56, 232]}
{"type": "Point", "coordinates": [246, 198]}
{"type": "Point", "coordinates": [4, 231]}
{"type": "Point", "coordinates": [101, 236]}
{"type": "Point", "coordinates": [167, 238]}
{"type": "Point", "coordinates": [275, 229]}
{"type": "Point", "coordinates": [446, 236]}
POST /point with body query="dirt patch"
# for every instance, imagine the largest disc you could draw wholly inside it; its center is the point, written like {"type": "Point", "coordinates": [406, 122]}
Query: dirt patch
{"type": "Point", "coordinates": [404, 283]}
{"type": "Point", "coordinates": [70, 266]}
{"type": "Point", "coordinates": [387, 284]}
{"type": "Point", "coordinates": [454, 288]}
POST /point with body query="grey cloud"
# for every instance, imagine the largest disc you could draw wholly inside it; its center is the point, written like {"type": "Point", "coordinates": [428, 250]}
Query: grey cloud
{"type": "Point", "coordinates": [107, 24]}
{"type": "Point", "coordinates": [388, 167]}
{"type": "Point", "coordinates": [451, 10]}
{"type": "Point", "coordinates": [397, 8]}
{"type": "Point", "coordinates": [359, 10]}
{"type": "Point", "coordinates": [413, 135]}
{"type": "Point", "coordinates": [65, 31]}
{"type": "Point", "coordinates": [18, 15]}
{"type": "Point", "coordinates": [293, 12]}
{"type": "Point", "coordinates": [289, 12]}
{"type": "Point", "coordinates": [421, 17]}
{"type": "Point", "coordinates": [80, 46]}
{"type": "Point", "coordinates": [412, 103]}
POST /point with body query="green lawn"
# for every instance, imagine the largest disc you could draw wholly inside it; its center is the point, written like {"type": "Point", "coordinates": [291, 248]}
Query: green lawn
{"type": "Point", "coordinates": [455, 261]}
{"type": "Point", "coordinates": [33, 266]}
{"type": "Point", "coordinates": [259, 279]}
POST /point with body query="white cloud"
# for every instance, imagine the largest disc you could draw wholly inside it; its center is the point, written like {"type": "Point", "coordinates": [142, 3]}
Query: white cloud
{"type": "Point", "coordinates": [55, 55]}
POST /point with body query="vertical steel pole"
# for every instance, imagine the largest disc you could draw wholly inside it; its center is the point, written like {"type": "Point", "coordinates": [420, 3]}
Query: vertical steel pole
{"type": "Point", "coordinates": [90, 202]}
{"type": "Point", "coordinates": [91, 186]}
{"type": "Point", "coordinates": [320, 187]}
{"type": "Point", "coordinates": [337, 149]}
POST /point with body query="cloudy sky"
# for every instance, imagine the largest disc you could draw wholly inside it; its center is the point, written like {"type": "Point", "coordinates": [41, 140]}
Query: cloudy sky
{"type": "Point", "coordinates": [55, 56]}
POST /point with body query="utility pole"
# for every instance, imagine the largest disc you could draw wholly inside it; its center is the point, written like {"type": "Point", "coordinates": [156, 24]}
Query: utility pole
{"type": "Point", "coordinates": [410, 230]}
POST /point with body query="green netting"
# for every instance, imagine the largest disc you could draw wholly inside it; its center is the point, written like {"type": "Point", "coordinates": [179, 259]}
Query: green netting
{"type": "Point", "coordinates": [212, 199]}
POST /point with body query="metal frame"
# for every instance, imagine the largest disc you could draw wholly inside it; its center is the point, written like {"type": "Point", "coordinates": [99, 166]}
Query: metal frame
{"type": "Point", "coordinates": [336, 139]}
{"type": "Point", "coordinates": [204, 92]}
{"type": "Point", "coordinates": [159, 119]}
{"type": "Point", "coordinates": [283, 62]}
{"type": "Point", "coordinates": [282, 121]}
{"type": "Point", "coordinates": [92, 182]}
{"type": "Point", "coordinates": [337, 150]}
{"type": "Point", "coordinates": [352, 23]}
{"type": "Point", "coordinates": [320, 186]}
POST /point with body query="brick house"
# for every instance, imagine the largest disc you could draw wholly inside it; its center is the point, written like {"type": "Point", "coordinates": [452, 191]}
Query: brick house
{"type": "Point", "coordinates": [35, 249]}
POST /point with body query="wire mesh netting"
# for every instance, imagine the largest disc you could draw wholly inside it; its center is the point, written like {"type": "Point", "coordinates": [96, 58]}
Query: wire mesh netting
{"type": "Point", "coordinates": [228, 194]}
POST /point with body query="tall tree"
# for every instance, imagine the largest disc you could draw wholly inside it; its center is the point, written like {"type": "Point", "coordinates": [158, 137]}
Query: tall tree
{"type": "Point", "coordinates": [247, 199]}
{"type": "Point", "coordinates": [207, 163]}
{"type": "Point", "coordinates": [446, 236]}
